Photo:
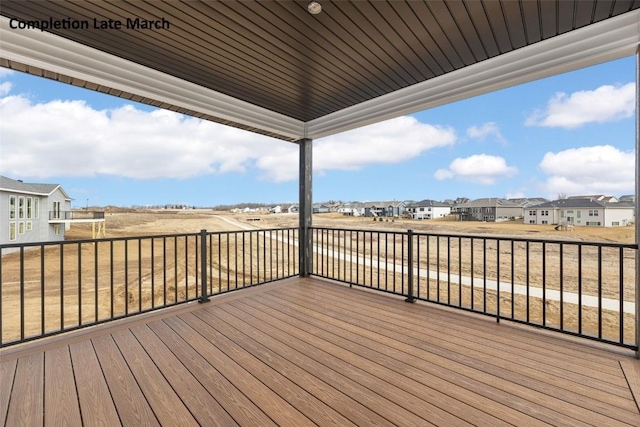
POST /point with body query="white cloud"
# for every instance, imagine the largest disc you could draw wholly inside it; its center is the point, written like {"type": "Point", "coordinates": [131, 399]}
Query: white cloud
{"type": "Point", "coordinates": [69, 138]}
{"type": "Point", "coordinates": [4, 72]}
{"type": "Point", "coordinates": [392, 141]}
{"type": "Point", "coordinates": [589, 170]}
{"type": "Point", "coordinates": [481, 168]}
{"type": "Point", "coordinates": [515, 195]}
{"type": "Point", "coordinates": [606, 103]}
{"type": "Point", "coordinates": [5, 88]}
{"type": "Point", "coordinates": [482, 132]}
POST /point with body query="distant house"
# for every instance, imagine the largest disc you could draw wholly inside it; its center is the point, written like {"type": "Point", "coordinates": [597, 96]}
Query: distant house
{"type": "Point", "coordinates": [489, 210]}
{"type": "Point", "coordinates": [32, 212]}
{"type": "Point", "coordinates": [581, 212]}
{"type": "Point", "coordinates": [428, 209]}
{"type": "Point", "coordinates": [352, 209]}
{"type": "Point", "coordinates": [319, 208]}
{"type": "Point", "coordinates": [627, 198]}
{"type": "Point", "coordinates": [384, 209]}
{"type": "Point", "coordinates": [293, 209]}
{"type": "Point", "coordinates": [276, 210]}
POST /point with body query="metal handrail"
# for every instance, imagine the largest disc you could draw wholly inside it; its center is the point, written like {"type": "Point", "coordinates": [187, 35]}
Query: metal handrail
{"type": "Point", "coordinates": [51, 287]}
{"type": "Point", "coordinates": [574, 287]}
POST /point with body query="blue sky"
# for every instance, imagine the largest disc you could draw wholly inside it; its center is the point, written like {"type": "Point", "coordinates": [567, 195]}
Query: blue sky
{"type": "Point", "coordinates": [573, 134]}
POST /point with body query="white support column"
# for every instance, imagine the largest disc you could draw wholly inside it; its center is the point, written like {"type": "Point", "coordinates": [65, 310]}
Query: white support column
{"type": "Point", "coordinates": [306, 206]}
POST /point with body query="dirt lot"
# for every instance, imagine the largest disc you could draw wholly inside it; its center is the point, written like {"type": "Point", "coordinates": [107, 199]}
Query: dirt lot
{"type": "Point", "coordinates": [141, 280]}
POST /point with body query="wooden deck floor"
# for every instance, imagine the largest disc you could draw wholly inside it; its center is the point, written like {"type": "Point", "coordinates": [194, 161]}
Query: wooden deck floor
{"type": "Point", "coordinates": [311, 352]}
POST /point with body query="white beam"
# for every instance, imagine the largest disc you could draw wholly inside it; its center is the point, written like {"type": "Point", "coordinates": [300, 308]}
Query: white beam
{"type": "Point", "coordinates": [605, 41]}
{"type": "Point", "coordinates": [59, 55]}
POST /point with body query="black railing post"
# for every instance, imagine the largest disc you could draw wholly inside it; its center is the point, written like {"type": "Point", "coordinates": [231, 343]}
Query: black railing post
{"type": "Point", "coordinates": [410, 297]}
{"type": "Point", "coordinates": [204, 297]}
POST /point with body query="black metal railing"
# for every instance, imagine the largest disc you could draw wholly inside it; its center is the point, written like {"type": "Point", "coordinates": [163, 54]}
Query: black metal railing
{"type": "Point", "coordinates": [580, 288]}
{"type": "Point", "coordinates": [75, 215]}
{"type": "Point", "coordinates": [53, 287]}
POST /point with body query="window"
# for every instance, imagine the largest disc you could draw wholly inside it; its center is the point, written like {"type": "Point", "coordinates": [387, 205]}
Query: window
{"type": "Point", "coordinates": [544, 213]}
{"type": "Point", "coordinates": [36, 208]}
{"type": "Point", "coordinates": [532, 213]}
{"type": "Point", "coordinates": [593, 212]}
{"type": "Point", "coordinates": [56, 229]}
{"type": "Point", "coordinates": [12, 207]}
{"type": "Point", "coordinates": [615, 223]}
{"type": "Point", "coordinates": [56, 210]}
{"type": "Point", "coordinates": [545, 222]}
{"type": "Point", "coordinates": [29, 207]}
{"type": "Point", "coordinates": [21, 227]}
{"type": "Point", "coordinates": [488, 210]}
{"type": "Point", "coordinates": [532, 221]}
{"type": "Point", "coordinates": [29, 226]}
{"type": "Point", "coordinates": [561, 214]}
{"type": "Point", "coordinates": [12, 231]}
{"type": "Point", "coordinates": [20, 207]}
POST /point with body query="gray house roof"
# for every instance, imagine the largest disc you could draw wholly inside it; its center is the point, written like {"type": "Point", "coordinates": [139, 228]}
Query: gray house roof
{"type": "Point", "coordinates": [429, 203]}
{"type": "Point", "coordinates": [582, 204]}
{"type": "Point", "coordinates": [489, 203]}
{"type": "Point", "coordinates": [16, 186]}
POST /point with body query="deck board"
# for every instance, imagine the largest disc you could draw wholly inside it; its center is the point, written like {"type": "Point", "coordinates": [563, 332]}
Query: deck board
{"type": "Point", "coordinates": [96, 404]}
{"type": "Point", "coordinates": [60, 389]}
{"type": "Point", "coordinates": [396, 345]}
{"type": "Point", "coordinates": [313, 352]}
{"type": "Point", "coordinates": [166, 404]}
{"type": "Point", "coordinates": [503, 362]}
{"type": "Point", "coordinates": [7, 373]}
{"type": "Point", "coordinates": [130, 402]}
{"type": "Point", "coordinates": [27, 395]}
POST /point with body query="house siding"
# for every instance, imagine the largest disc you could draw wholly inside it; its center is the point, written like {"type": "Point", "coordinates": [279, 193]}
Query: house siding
{"type": "Point", "coordinates": [31, 224]}
{"type": "Point", "coordinates": [620, 216]}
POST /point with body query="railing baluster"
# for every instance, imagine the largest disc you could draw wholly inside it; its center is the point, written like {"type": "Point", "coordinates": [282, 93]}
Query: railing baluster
{"type": "Point", "coordinates": [204, 296]}
{"type": "Point", "coordinates": [79, 284]}
{"type": "Point", "coordinates": [600, 291]}
{"type": "Point", "coordinates": [164, 272]}
{"type": "Point", "coordinates": [498, 280]}
{"type": "Point", "coordinates": [448, 270]}
{"type": "Point", "coordinates": [580, 289]}
{"type": "Point", "coordinates": [42, 294]}
{"type": "Point", "coordinates": [561, 286]}
{"type": "Point", "coordinates": [61, 286]}
{"type": "Point", "coordinates": [544, 284]}
{"type": "Point", "coordinates": [410, 297]}
{"type": "Point", "coordinates": [22, 293]}
{"type": "Point", "coordinates": [621, 292]}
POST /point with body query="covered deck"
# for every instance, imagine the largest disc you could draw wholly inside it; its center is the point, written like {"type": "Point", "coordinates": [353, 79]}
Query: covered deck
{"type": "Point", "coordinates": [309, 351]}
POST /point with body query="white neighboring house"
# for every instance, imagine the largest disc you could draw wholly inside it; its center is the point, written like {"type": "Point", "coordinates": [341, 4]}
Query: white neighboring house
{"type": "Point", "coordinates": [276, 210]}
{"type": "Point", "coordinates": [32, 212]}
{"type": "Point", "coordinates": [352, 209]}
{"type": "Point", "coordinates": [429, 209]}
{"type": "Point", "coordinates": [581, 212]}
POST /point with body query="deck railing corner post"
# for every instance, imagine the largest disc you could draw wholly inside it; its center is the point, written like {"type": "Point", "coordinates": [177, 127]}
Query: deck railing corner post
{"type": "Point", "coordinates": [204, 296]}
{"type": "Point", "coordinates": [410, 297]}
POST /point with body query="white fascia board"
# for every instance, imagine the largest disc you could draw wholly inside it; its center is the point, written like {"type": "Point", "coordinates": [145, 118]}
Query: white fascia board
{"type": "Point", "coordinates": [57, 54]}
{"type": "Point", "coordinates": [604, 41]}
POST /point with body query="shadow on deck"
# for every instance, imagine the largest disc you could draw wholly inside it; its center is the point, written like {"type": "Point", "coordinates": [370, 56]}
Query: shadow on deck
{"type": "Point", "coordinates": [309, 351]}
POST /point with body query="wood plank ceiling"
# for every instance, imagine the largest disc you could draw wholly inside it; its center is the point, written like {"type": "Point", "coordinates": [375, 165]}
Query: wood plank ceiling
{"type": "Point", "coordinates": [278, 56]}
